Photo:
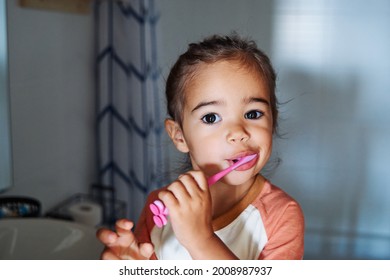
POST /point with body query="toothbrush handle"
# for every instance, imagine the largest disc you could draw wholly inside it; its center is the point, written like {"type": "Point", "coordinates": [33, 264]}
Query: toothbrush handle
{"type": "Point", "coordinates": [216, 177]}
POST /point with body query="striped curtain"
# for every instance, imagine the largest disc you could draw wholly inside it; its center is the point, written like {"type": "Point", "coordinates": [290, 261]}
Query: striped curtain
{"type": "Point", "coordinates": [129, 101]}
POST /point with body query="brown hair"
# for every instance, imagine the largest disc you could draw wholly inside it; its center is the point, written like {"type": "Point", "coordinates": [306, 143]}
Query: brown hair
{"type": "Point", "coordinates": [213, 49]}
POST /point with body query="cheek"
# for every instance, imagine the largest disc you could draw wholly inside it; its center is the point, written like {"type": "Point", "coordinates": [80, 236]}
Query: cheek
{"type": "Point", "coordinates": [203, 150]}
{"type": "Point", "coordinates": [265, 139]}
{"type": "Point", "coordinates": [200, 139]}
{"type": "Point", "coordinates": [204, 154]}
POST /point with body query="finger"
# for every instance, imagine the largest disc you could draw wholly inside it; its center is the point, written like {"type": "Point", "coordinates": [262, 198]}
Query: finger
{"type": "Point", "coordinates": [125, 236]}
{"type": "Point", "coordinates": [124, 225]}
{"type": "Point", "coordinates": [106, 236]}
{"type": "Point", "coordinates": [146, 250]}
{"type": "Point", "coordinates": [200, 179]}
{"type": "Point", "coordinates": [195, 182]}
{"type": "Point", "coordinates": [109, 255]}
{"type": "Point", "coordinates": [179, 190]}
{"type": "Point", "coordinates": [191, 188]}
{"type": "Point", "coordinates": [168, 199]}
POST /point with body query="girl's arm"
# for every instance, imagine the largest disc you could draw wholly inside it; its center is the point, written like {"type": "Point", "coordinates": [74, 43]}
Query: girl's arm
{"type": "Point", "coordinates": [211, 249]}
{"type": "Point", "coordinates": [287, 239]}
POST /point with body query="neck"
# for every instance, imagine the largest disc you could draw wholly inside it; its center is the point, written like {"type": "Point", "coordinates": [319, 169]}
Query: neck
{"type": "Point", "coordinates": [225, 196]}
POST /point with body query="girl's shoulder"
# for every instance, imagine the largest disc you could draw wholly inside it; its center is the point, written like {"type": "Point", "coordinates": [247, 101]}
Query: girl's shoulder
{"type": "Point", "coordinates": [283, 222]}
{"type": "Point", "coordinates": [273, 203]}
{"type": "Point", "coordinates": [271, 194]}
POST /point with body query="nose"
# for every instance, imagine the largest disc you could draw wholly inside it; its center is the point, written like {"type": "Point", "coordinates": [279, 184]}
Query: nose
{"type": "Point", "coordinates": [237, 134]}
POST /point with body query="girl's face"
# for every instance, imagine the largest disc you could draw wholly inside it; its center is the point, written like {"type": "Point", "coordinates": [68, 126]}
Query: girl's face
{"type": "Point", "coordinates": [226, 116]}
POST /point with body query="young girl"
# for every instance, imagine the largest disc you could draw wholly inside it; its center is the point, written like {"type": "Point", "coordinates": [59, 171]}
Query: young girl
{"type": "Point", "coordinates": [222, 107]}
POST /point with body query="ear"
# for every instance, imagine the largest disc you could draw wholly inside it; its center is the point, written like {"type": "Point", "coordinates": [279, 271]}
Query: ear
{"type": "Point", "coordinates": [176, 134]}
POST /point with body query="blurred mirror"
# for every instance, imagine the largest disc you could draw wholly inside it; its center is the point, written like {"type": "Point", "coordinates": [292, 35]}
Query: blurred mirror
{"type": "Point", "coordinates": [5, 138]}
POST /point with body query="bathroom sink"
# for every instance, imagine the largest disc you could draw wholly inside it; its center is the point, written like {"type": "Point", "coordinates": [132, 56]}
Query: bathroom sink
{"type": "Point", "coordinates": [47, 239]}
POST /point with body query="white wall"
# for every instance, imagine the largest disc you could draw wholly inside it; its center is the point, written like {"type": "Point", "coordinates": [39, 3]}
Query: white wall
{"type": "Point", "coordinates": [333, 63]}
{"type": "Point", "coordinates": [186, 21]}
{"type": "Point", "coordinates": [52, 103]}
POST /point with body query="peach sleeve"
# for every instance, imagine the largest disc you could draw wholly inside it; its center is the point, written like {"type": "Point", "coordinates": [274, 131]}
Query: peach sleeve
{"type": "Point", "coordinates": [284, 224]}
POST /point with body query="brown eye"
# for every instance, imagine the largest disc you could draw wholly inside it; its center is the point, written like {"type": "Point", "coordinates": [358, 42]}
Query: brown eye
{"type": "Point", "coordinates": [211, 118]}
{"type": "Point", "coordinates": [253, 115]}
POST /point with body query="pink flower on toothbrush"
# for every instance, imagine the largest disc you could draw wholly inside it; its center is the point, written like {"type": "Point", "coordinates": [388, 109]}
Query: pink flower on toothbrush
{"type": "Point", "coordinates": [160, 212]}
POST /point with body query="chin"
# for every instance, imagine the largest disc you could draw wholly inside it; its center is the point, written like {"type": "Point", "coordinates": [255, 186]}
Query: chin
{"type": "Point", "coordinates": [238, 179]}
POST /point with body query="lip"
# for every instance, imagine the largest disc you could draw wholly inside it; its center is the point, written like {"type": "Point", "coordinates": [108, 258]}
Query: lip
{"type": "Point", "coordinates": [247, 165]}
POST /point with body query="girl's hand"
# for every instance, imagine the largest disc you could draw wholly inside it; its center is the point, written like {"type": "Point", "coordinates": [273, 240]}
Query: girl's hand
{"type": "Point", "coordinates": [188, 200]}
{"type": "Point", "coordinates": [122, 244]}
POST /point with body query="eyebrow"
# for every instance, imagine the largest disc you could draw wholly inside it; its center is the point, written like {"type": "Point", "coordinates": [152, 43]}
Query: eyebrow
{"type": "Point", "coordinates": [256, 100]}
{"type": "Point", "coordinates": [245, 101]}
{"type": "Point", "coordinates": [203, 104]}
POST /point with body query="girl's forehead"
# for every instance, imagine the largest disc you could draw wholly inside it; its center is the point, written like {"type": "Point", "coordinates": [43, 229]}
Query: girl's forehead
{"type": "Point", "coordinates": [225, 79]}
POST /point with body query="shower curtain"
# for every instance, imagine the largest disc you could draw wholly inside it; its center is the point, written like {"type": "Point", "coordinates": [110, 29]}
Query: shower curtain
{"type": "Point", "coordinates": [131, 157]}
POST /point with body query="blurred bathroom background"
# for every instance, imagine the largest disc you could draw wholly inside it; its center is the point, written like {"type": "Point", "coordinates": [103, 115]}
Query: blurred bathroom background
{"type": "Point", "coordinates": [333, 68]}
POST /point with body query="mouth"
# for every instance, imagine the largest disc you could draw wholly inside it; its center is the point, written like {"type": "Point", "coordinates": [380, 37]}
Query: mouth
{"type": "Point", "coordinates": [240, 156]}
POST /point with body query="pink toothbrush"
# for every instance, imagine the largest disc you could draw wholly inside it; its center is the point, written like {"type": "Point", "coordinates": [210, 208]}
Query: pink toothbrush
{"type": "Point", "coordinates": [215, 178]}
{"type": "Point", "coordinates": [161, 212]}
